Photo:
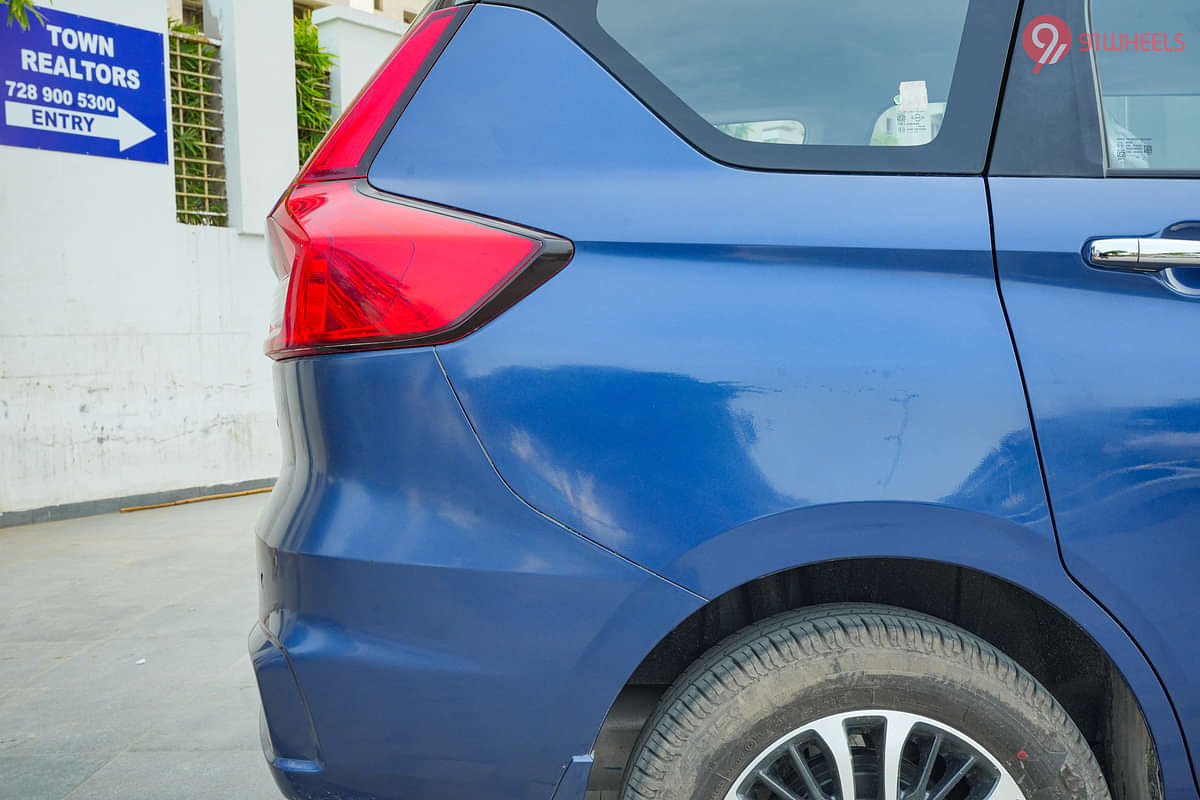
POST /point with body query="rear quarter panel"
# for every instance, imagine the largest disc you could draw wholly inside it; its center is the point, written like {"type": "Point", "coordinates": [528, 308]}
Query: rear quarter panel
{"type": "Point", "coordinates": [739, 371]}
{"type": "Point", "coordinates": [726, 344]}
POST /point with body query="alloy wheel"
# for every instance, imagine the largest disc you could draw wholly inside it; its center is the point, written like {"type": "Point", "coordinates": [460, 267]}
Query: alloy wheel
{"type": "Point", "coordinates": [877, 754]}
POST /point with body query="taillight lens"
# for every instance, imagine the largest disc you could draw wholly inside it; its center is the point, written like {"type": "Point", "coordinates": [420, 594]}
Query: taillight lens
{"type": "Point", "coordinates": [360, 269]}
{"type": "Point", "coordinates": [345, 151]}
{"type": "Point", "coordinates": [366, 270]}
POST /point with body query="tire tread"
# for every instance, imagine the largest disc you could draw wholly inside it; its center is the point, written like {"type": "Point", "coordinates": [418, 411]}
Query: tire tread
{"type": "Point", "coordinates": [785, 639]}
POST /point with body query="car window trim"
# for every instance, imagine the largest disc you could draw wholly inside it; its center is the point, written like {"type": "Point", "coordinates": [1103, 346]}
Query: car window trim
{"type": "Point", "coordinates": [961, 147]}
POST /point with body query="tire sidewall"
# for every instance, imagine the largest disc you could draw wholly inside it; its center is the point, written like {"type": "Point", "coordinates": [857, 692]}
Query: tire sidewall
{"type": "Point", "coordinates": [1022, 731]}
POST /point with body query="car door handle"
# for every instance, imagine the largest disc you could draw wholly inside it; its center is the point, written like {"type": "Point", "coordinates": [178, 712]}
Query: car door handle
{"type": "Point", "coordinates": [1158, 256]}
{"type": "Point", "coordinates": [1144, 255]}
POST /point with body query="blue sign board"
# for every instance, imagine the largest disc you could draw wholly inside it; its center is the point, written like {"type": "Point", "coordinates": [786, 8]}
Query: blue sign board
{"type": "Point", "coordinates": [83, 85]}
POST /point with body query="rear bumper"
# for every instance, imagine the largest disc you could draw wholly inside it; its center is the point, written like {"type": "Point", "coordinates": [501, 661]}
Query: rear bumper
{"type": "Point", "coordinates": [422, 632]}
{"type": "Point", "coordinates": [288, 737]}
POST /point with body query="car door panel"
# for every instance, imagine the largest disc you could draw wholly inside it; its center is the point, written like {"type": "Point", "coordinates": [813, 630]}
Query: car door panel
{"type": "Point", "coordinates": [1110, 361]}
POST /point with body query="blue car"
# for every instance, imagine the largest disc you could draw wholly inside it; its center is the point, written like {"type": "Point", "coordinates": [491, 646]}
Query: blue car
{"type": "Point", "coordinates": [684, 400]}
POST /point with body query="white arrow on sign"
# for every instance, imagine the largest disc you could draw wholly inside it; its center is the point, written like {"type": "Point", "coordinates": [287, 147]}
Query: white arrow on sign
{"type": "Point", "coordinates": [124, 127]}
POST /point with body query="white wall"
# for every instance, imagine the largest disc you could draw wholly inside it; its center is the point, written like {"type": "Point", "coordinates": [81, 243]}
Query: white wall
{"type": "Point", "coordinates": [131, 345]}
{"type": "Point", "coordinates": [395, 9]}
{"type": "Point", "coordinates": [259, 88]}
{"type": "Point", "coordinates": [361, 42]}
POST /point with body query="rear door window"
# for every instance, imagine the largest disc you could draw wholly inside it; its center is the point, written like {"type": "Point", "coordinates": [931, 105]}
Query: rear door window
{"type": "Point", "coordinates": [1148, 59]}
{"type": "Point", "coordinates": [852, 73]}
{"type": "Point", "coordinates": [857, 85]}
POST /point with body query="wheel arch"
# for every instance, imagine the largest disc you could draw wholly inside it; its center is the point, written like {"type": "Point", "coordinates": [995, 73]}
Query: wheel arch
{"type": "Point", "coordinates": [1047, 641]}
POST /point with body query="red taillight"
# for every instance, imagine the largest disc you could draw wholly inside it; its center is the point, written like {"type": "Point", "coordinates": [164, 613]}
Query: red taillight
{"type": "Point", "coordinates": [345, 150]}
{"type": "Point", "coordinates": [360, 269]}
{"type": "Point", "coordinates": [366, 270]}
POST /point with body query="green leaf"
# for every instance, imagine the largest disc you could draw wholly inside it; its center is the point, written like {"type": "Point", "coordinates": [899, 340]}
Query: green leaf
{"type": "Point", "coordinates": [314, 112]}
{"type": "Point", "coordinates": [19, 11]}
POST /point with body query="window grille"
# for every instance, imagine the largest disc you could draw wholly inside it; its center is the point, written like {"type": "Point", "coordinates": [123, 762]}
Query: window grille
{"type": "Point", "coordinates": [314, 111]}
{"type": "Point", "coordinates": [198, 127]}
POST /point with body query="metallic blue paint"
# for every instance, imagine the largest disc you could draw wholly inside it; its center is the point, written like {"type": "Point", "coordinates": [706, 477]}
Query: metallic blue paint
{"type": "Point", "coordinates": [725, 344]}
{"type": "Point", "coordinates": [444, 634]}
{"type": "Point", "coordinates": [575, 779]}
{"type": "Point", "coordinates": [1110, 361]}
{"type": "Point", "coordinates": [738, 373]}
{"type": "Point", "coordinates": [290, 728]}
{"type": "Point", "coordinates": [448, 639]}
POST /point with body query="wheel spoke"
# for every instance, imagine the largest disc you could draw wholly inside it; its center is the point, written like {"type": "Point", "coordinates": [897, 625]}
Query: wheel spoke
{"type": "Point", "coordinates": [901, 755]}
{"type": "Point", "coordinates": [832, 731]}
{"type": "Point", "coordinates": [810, 783]}
{"type": "Point", "coordinates": [918, 791]}
{"type": "Point", "coordinates": [777, 787]}
{"type": "Point", "coordinates": [953, 780]}
{"type": "Point", "coordinates": [895, 734]}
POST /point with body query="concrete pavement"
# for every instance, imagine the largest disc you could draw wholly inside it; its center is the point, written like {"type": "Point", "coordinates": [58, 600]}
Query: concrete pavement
{"type": "Point", "coordinates": [84, 601]}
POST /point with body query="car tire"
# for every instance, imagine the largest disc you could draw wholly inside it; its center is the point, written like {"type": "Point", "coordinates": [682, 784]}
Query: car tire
{"type": "Point", "coordinates": [865, 669]}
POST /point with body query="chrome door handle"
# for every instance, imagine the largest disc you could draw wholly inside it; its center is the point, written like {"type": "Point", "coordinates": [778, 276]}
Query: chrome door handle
{"type": "Point", "coordinates": [1144, 255]}
{"type": "Point", "coordinates": [1163, 253]}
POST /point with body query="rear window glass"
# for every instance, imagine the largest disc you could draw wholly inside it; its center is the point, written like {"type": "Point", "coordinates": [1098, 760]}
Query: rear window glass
{"type": "Point", "coordinates": [799, 72]}
{"type": "Point", "coordinates": [1148, 58]}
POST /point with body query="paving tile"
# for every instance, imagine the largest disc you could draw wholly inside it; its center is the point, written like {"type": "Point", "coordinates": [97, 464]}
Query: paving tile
{"type": "Point", "coordinates": [219, 611]}
{"type": "Point", "coordinates": [73, 617]}
{"type": "Point", "coordinates": [225, 718]}
{"type": "Point", "coordinates": [84, 601]}
{"type": "Point", "coordinates": [21, 662]}
{"type": "Point", "coordinates": [194, 775]}
{"type": "Point", "coordinates": [63, 721]}
{"type": "Point", "coordinates": [109, 671]}
{"type": "Point", "coordinates": [45, 776]}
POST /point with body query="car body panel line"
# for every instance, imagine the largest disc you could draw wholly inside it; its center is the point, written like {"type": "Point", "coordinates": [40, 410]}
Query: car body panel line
{"type": "Point", "coordinates": [559, 523]}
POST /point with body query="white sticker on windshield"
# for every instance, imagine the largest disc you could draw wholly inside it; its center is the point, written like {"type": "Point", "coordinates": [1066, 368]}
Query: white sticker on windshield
{"type": "Point", "coordinates": [914, 96]}
{"type": "Point", "coordinates": [914, 128]}
{"type": "Point", "coordinates": [1130, 152]}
